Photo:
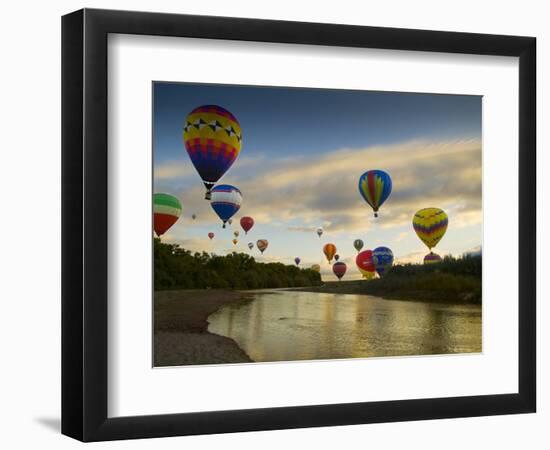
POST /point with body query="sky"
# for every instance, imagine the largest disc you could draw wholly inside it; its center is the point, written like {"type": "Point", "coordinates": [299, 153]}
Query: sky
{"type": "Point", "coordinates": [302, 154]}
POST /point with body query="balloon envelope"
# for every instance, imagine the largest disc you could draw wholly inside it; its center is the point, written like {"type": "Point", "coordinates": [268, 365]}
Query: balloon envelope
{"type": "Point", "coordinates": [251, 245]}
{"type": "Point", "coordinates": [336, 257]}
{"type": "Point", "coordinates": [212, 138]}
{"type": "Point", "coordinates": [430, 224]}
{"type": "Point", "coordinates": [375, 187]}
{"type": "Point", "coordinates": [319, 231]}
{"type": "Point", "coordinates": [247, 223]}
{"type": "Point", "coordinates": [358, 244]}
{"type": "Point", "coordinates": [193, 216]}
{"type": "Point", "coordinates": [297, 260]}
{"type": "Point", "coordinates": [226, 201]}
{"type": "Point", "coordinates": [262, 245]}
{"type": "Point", "coordinates": [365, 263]}
{"type": "Point", "coordinates": [339, 268]}
{"type": "Point", "coordinates": [236, 233]}
{"type": "Point", "coordinates": [211, 235]}
{"type": "Point", "coordinates": [235, 241]}
{"type": "Point", "coordinates": [383, 260]}
{"type": "Point", "coordinates": [432, 258]}
{"type": "Point", "coordinates": [166, 211]}
{"type": "Point", "coordinates": [329, 250]}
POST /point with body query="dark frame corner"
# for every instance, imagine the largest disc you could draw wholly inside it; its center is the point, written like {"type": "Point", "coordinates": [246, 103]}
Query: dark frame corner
{"type": "Point", "coordinates": [84, 224]}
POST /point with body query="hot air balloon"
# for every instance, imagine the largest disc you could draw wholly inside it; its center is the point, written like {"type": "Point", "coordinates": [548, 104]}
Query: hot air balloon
{"type": "Point", "coordinates": [230, 221]}
{"type": "Point", "coordinates": [262, 245]}
{"type": "Point", "coordinates": [329, 250]}
{"type": "Point", "coordinates": [432, 258]}
{"type": "Point", "coordinates": [213, 138]}
{"type": "Point", "coordinates": [166, 211]}
{"type": "Point", "coordinates": [383, 260]}
{"type": "Point", "coordinates": [336, 257]}
{"type": "Point", "coordinates": [365, 263]}
{"type": "Point", "coordinates": [339, 268]}
{"type": "Point", "coordinates": [375, 188]}
{"type": "Point", "coordinates": [193, 216]}
{"type": "Point", "coordinates": [358, 244]}
{"type": "Point", "coordinates": [247, 223]}
{"type": "Point", "coordinates": [236, 233]}
{"type": "Point", "coordinates": [226, 201]}
{"type": "Point", "coordinates": [297, 261]}
{"type": "Point", "coordinates": [234, 241]}
{"type": "Point", "coordinates": [316, 267]}
{"type": "Point", "coordinates": [251, 245]}
{"type": "Point", "coordinates": [211, 235]}
{"type": "Point", "coordinates": [430, 225]}
{"type": "Point", "coordinates": [319, 231]}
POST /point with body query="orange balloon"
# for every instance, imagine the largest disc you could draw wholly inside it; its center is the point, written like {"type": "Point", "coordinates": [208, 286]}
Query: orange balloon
{"type": "Point", "coordinates": [329, 250]}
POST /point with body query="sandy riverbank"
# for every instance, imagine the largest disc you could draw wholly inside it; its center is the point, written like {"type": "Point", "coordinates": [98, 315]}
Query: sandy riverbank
{"type": "Point", "coordinates": [181, 336]}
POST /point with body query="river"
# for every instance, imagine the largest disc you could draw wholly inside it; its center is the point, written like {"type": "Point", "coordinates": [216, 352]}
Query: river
{"type": "Point", "coordinates": [279, 325]}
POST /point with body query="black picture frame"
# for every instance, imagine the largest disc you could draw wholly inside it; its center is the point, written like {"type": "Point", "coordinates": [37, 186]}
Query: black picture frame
{"type": "Point", "coordinates": [84, 224]}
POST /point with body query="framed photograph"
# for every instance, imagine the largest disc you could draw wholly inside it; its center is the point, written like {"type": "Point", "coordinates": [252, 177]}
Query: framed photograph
{"type": "Point", "coordinates": [273, 225]}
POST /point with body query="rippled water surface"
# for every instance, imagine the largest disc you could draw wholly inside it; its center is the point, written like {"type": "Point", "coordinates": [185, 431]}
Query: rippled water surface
{"type": "Point", "coordinates": [290, 325]}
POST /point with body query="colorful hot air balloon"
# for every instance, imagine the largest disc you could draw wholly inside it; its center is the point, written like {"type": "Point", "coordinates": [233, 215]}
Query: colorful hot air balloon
{"type": "Point", "coordinates": [383, 260]}
{"type": "Point", "coordinates": [375, 188]}
{"type": "Point", "coordinates": [236, 233]}
{"type": "Point", "coordinates": [193, 216]}
{"type": "Point", "coordinates": [211, 235]}
{"type": "Point", "coordinates": [339, 268]}
{"type": "Point", "coordinates": [226, 201]}
{"type": "Point", "coordinates": [234, 241]}
{"type": "Point", "coordinates": [336, 257]}
{"type": "Point", "coordinates": [365, 263]}
{"type": "Point", "coordinates": [247, 223]}
{"type": "Point", "coordinates": [319, 231]}
{"type": "Point", "coordinates": [430, 225]}
{"type": "Point", "coordinates": [297, 261]}
{"type": "Point", "coordinates": [358, 244]}
{"type": "Point", "coordinates": [262, 245]}
{"type": "Point", "coordinates": [432, 258]}
{"type": "Point", "coordinates": [329, 250]}
{"type": "Point", "coordinates": [213, 138]}
{"type": "Point", "coordinates": [316, 267]}
{"type": "Point", "coordinates": [166, 211]}
{"type": "Point", "coordinates": [251, 245]}
{"type": "Point", "coordinates": [230, 221]}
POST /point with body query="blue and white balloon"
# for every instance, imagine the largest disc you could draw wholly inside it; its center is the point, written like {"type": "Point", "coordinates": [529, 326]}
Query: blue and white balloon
{"type": "Point", "coordinates": [226, 201]}
{"type": "Point", "coordinates": [383, 260]}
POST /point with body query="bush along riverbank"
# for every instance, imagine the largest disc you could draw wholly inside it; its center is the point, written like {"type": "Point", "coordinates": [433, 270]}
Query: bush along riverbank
{"type": "Point", "coordinates": [177, 268]}
{"type": "Point", "coordinates": [454, 280]}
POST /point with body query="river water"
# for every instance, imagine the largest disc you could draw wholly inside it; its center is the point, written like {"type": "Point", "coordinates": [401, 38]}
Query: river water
{"type": "Point", "coordinates": [290, 325]}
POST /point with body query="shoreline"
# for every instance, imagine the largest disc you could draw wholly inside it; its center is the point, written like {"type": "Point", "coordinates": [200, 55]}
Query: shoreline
{"type": "Point", "coordinates": [361, 287]}
{"type": "Point", "coordinates": [181, 335]}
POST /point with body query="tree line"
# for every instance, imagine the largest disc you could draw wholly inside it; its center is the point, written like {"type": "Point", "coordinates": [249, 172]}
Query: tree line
{"type": "Point", "coordinates": [177, 268]}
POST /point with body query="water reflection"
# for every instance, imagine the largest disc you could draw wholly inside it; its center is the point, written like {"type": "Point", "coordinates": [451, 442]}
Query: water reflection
{"type": "Point", "coordinates": [286, 326]}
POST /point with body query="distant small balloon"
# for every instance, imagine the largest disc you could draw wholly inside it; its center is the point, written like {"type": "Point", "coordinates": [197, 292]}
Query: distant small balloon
{"type": "Point", "coordinates": [432, 258]}
{"type": "Point", "coordinates": [193, 216]}
{"type": "Point", "coordinates": [329, 250]}
{"type": "Point", "coordinates": [251, 245]}
{"type": "Point", "coordinates": [336, 257]}
{"type": "Point", "coordinates": [247, 223]}
{"type": "Point", "coordinates": [358, 244]}
{"type": "Point", "coordinates": [230, 221]}
{"type": "Point", "coordinates": [262, 245]}
{"type": "Point", "coordinates": [211, 235]}
{"type": "Point", "coordinates": [297, 261]}
{"type": "Point", "coordinates": [235, 241]}
{"type": "Point", "coordinates": [319, 231]}
{"type": "Point", "coordinates": [339, 268]}
{"type": "Point", "coordinates": [236, 233]}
